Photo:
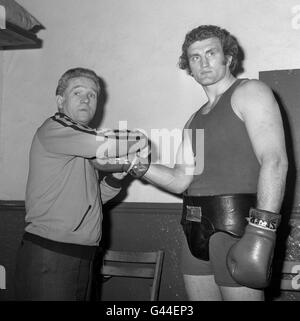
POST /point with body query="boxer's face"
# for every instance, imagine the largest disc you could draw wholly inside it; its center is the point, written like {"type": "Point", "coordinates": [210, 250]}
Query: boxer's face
{"type": "Point", "coordinates": [207, 61]}
{"type": "Point", "coordinates": [79, 101]}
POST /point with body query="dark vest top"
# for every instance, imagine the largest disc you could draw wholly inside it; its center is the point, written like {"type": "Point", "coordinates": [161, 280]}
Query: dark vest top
{"type": "Point", "coordinates": [230, 165]}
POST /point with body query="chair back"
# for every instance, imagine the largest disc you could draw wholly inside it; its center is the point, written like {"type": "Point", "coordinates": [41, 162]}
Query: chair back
{"type": "Point", "coordinates": [135, 265]}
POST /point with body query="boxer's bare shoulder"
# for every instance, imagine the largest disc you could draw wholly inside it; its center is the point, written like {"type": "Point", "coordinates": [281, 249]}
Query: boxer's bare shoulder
{"type": "Point", "coordinates": [252, 96]}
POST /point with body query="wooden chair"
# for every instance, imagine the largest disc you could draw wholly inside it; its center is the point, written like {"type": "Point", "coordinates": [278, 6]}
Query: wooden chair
{"type": "Point", "coordinates": [292, 270]}
{"type": "Point", "coordinates": [135, 265]}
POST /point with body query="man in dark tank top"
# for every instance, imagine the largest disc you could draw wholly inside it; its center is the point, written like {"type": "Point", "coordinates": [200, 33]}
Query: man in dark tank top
{"type": "Point", "coordinates": [232, 187]}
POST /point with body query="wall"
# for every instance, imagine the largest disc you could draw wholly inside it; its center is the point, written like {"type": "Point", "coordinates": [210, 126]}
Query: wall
{"type": "Point", "coordinates": [157, 227]}
{"type": "Point", "coordinates": [137, 227]}
{"type": "Point", "coordinates": [134, 45]}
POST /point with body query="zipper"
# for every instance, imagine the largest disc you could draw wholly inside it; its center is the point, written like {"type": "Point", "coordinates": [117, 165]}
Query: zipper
{"type": "Point", "coordinates": [85, 214]}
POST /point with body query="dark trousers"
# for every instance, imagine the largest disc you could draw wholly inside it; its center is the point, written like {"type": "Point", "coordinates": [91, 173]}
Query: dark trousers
{"type": "Point", "coordinates": [44, 275]}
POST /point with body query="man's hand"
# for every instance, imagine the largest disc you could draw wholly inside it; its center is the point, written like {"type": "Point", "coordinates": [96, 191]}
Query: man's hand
{"type": "Point", "coordinates": [135, 164]}
{"type": "Point", "coordinates": [119, 143]}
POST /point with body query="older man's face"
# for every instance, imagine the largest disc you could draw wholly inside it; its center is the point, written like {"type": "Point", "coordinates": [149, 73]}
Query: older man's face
{"type": "Point", "coordinates": [79, 101]}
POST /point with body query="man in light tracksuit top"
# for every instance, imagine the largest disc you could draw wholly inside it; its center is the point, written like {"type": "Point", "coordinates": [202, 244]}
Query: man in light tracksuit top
{"type": "Point", "coordinates": [64, 197]}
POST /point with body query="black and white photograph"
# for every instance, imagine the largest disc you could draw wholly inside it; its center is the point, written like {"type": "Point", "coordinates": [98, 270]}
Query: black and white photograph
{"type": "Point", "coordinates": [149, 153]}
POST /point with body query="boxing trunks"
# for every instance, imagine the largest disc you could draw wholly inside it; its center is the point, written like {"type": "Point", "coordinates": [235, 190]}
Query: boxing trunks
{"type": "Point", "coordinates": [203, 216]}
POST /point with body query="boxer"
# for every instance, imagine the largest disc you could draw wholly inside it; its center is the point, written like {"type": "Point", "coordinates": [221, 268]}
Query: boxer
{"type": "Point", "coordinates": [227, 247]}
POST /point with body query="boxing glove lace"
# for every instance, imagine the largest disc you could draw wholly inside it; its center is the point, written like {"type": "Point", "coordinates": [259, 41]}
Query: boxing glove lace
{"type": "Point", "coordinates": [250, 260]}
{"type": "Point", "coordinates": [135, 164]}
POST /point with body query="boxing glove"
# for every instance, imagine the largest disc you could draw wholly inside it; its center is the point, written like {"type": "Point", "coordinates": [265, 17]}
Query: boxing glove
{"type": "Point", "coordinates": [135, 164]}
{"type": "Point", "coordinates": [140, 163]}
{"type": "Point", "coordinates": [249, 261]}
{"type": "Point", "coordinates": [111, 165]}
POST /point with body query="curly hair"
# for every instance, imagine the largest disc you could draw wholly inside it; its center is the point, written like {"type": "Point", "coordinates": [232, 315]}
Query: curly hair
{"type": "Point", "coordinates": [229, 44]}
{"type": "Point", "coordinates": [75, 73]}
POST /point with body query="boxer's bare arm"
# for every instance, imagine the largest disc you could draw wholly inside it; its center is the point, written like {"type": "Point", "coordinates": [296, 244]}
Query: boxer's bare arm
{"type": "Point", "coordinates": [178, 178]}
{"type": "Point", "coordinates": [255, 104]}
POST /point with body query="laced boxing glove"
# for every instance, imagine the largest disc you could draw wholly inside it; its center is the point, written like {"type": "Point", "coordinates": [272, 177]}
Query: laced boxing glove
{"type": "Point", "coordinates": [250, 260]}
{"type": "Point", "coordinates": [140, 163]}
{"type": "Point", "coordinates": [111, 165]}
{"type": "Point", "coordinates": [135, 164]}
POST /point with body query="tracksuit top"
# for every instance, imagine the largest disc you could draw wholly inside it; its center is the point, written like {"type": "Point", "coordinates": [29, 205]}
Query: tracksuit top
{"type": "Point", "coordinates": [230, 165]}
{"type": "Point", "coordinates": [63, 195]}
